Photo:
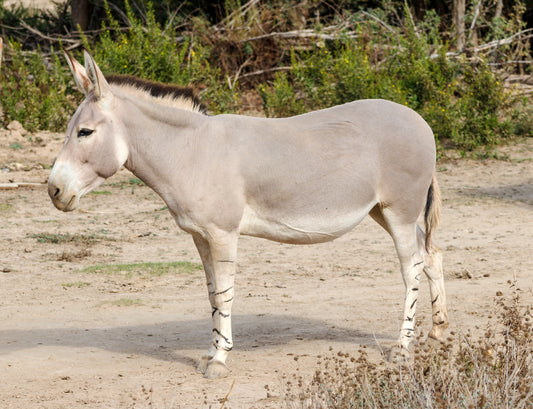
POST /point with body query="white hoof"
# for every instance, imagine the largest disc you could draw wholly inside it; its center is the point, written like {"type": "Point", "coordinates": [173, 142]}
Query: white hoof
{"type": "Point", "coordinates": [216, 370]}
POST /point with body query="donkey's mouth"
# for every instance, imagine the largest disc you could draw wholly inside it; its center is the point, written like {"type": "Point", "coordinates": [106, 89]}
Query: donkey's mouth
{"type": "Point", "coordinates": [71, 205]}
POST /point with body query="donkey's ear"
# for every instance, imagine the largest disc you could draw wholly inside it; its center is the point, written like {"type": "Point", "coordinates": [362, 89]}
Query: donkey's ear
{"type": "Point", "coordinates": [99, 83]}
{"type": "Point", "coordinates": [80, 75]}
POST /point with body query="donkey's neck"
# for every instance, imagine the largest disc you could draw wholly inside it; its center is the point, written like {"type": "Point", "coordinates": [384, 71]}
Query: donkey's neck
{"type": "Point", "coordinates": [162, 142]}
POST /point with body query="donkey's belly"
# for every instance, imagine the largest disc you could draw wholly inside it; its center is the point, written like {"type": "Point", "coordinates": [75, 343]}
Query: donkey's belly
{"type": "Point", "coordinates": [305, 229]}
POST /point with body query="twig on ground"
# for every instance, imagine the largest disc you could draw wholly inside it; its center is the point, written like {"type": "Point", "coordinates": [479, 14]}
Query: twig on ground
{"type": "Point", "coordinates": [227, 395]}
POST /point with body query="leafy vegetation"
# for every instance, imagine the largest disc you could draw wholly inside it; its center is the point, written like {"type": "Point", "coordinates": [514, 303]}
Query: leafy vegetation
{"type": "Point", "coordinates": [284, 58]}
{"type": "Point", "coordinates": [35, 91]}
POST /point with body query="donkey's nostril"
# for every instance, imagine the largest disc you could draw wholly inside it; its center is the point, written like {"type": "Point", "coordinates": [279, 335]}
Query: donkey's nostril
{"type": "Point", "coordinates": [57, 192]}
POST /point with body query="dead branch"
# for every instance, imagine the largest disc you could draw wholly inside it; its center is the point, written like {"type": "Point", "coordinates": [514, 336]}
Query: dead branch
{"type": "Point", "coordinates": [476, 15]}
{"type": "Point", "coordinates": [265, 71]}
{"type": "Point", "coordinates": [18, 185]}
{"type": "Point", "coordinates": [365, 13]}
{"type": "Point", "coordinates": [307, 33]}
{"type": "Point", "coordinates": [504, 41]}
{"type": "Point", "coordinates": [492, 44]}
{"type": "Point", "coordinates": [46, 37]}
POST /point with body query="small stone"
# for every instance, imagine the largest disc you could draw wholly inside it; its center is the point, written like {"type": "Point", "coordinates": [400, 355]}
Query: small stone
{"type": "Point", "coordinates": [15, 166]}
{"type": "Point", "coordinates": [16, 126]}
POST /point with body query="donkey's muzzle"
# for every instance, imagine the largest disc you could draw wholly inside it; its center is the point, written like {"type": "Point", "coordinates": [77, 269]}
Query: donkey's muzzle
{"type": "Point", "coordinates": [62, 200]}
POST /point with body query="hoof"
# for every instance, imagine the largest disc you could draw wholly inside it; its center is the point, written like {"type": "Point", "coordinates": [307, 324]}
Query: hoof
{"type": "Point", "coordinates": [202, 364]}
{"type": "Point", "coordinates": [216, 370]}
{"type": "Point", "coordinates": [437, 332]}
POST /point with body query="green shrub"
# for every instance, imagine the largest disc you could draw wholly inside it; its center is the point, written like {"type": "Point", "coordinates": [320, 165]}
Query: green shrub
{"type": "Point", "coordinates": [387, 57]}
{"type": "Point", "coordinates": [35, 90]}
{"type": "Point", "coordinates": [148, 51]}
{"type": "Point", "coordinates": [464, 103]}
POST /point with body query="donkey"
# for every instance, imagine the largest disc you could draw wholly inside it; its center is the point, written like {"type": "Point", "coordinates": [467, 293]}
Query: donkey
{"type": "Point", "coordinates": [305, 179]}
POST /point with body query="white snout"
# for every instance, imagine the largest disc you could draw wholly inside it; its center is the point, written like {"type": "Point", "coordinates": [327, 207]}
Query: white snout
{"type": "Point", "coordinates": [64, 187]}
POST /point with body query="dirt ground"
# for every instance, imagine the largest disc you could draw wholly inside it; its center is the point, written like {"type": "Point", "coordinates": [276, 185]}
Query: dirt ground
{"type": "Point", "coordinates": [72, 338]}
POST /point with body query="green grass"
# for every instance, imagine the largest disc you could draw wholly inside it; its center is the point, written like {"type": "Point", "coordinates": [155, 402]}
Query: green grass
{"type": "Point", "coordinates": [15, 145]}
{"type": "Point", "coordinates": [6, 207]}
{"type": "Point", "coordinates": [100, 192]}
{"type": "Point", "coordinates": [124, 302]}
{"type": "Point", "coordinates": [149, 268]}
{"type": "Point", "coordinates": [76, 284]}
{"type": "Point", "coordinates": [60, 238]}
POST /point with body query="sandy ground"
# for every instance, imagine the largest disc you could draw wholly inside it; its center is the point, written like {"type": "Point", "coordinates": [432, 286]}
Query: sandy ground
{"type": "Point", "coordinates": [72, 338]}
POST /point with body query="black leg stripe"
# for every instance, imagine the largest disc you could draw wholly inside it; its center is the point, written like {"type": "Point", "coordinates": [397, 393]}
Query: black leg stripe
{"type": "Point", "coordinates": [220, 335]}
{"type": "Point", "coordinates": [225, 291]}
{"type": "Point", "coordinates": [413, 304]}
{"type": "Point", "coordinates": [435, 300]}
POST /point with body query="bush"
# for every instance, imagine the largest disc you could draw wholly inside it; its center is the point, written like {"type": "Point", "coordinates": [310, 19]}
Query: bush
{"type": "Point", "coordinates": [148, 51]}
{"type": "Point", "coordinates": [388, 56]}
{"type": "Point", "coordinates": [36, 91]}
{"type": "Point", "coordinates": [465, 103]}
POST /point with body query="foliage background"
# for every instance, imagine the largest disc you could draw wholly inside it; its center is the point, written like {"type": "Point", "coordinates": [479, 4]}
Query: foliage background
{"type": "Point", "coordinates": [283, 57]}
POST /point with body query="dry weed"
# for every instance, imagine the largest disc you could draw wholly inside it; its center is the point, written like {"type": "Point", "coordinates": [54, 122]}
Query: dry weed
{"type": "Point", "coordinates": [492, 371]}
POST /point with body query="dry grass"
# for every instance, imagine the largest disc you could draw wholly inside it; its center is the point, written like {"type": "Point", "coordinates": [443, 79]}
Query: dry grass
{"type": "Point", "coordinates": [493, 371]}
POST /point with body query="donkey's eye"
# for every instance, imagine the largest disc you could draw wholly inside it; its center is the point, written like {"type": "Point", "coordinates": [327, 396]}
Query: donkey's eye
{"type": "Point", "coordinates": [84, 132]}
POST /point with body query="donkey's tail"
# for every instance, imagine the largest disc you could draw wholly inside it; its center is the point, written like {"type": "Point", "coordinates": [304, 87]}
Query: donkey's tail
{"type": "Point", "coordinates": [433, 209]}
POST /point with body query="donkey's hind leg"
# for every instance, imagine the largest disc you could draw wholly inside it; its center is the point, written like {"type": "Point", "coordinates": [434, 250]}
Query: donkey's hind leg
{"type": "Point", "coordinates": [411, 259]}
{"type": "Point", "coordinates": [434, 273]}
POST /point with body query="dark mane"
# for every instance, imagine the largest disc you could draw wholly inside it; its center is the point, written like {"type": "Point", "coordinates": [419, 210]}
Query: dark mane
{"type": "Point", "coordinates": [157, 89]}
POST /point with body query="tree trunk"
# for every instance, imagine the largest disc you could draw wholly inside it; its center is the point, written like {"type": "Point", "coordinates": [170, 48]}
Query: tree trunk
{"type": "Point", "coordinates": [81, 13]}
{"type": "Point", "coordinates": [459, 20]}
{"type": "Point", "coordinates": [499, 9]}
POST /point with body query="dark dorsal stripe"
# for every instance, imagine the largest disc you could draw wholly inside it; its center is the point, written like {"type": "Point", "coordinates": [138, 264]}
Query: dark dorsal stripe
{"type": "Point", "coordinates": [157, 89]}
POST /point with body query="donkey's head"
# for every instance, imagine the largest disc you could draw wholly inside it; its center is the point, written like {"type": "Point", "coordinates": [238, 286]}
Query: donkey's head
{"type": "Point", "coordinates": [95, 146]}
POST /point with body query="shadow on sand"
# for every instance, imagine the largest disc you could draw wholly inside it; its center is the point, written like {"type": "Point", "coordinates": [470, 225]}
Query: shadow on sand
{"type": "Point", "coordinates": [164, 340]}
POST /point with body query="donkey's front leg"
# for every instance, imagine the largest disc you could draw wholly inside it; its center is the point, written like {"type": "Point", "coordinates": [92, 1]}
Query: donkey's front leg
{"type": "Point", "coordinates": [202, 246]}
{"type": "Point", "coordinates": [218, 255]}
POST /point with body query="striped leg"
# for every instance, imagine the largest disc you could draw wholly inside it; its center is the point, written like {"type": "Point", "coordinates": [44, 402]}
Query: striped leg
{"type": "Point", "coordinates": [219, 256]}
{"type": "Point", "coordinates": [203, 249]}
{"type": "Point", "coordinates": [433, 271]}
{"type": "Point", "coordinates": [412, 264]}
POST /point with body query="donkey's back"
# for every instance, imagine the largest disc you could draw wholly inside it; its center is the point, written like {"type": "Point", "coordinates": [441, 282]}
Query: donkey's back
{"type": "Point", "coordinates": [313, 177]}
